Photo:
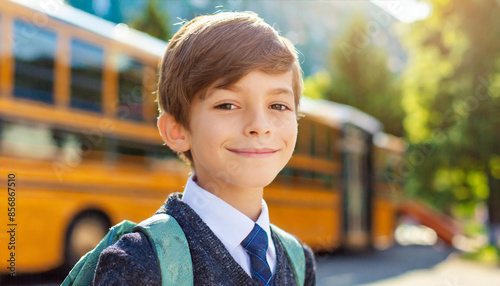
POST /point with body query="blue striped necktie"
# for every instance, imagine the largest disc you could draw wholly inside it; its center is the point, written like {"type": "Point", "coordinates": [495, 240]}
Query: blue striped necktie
{"type": "Point", "coordinates": [256, 246]}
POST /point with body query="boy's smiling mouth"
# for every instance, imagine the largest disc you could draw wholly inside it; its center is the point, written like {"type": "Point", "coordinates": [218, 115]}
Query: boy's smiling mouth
{"type": "Point", "coordinates": [254, 152]}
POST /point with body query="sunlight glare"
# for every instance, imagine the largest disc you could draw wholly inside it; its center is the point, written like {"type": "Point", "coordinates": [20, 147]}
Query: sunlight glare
{"type": "Point", "coordinates": [406, 11]}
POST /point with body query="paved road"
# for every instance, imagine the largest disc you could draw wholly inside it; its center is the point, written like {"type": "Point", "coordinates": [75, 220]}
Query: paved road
{"type": "Point", "coordinates": [455, 271]}
{"type": "Point", "coordinates": [345, 270]}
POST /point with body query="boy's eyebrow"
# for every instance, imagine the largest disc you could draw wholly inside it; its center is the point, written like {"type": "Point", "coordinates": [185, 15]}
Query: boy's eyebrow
{"type": "Point", "coordinates": [281, 90]}
{"type": "Point", "coordinates": [235, 88]}
{"type": "Point", "coordinates": [217, 85]}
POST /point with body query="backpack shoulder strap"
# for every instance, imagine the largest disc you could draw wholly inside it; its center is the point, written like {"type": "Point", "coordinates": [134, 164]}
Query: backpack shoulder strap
{"type": "Point", "coordinates": [295, 252]}
{"type": "Point", "coordinates": [171, 247]}
{"type": "Point", "coordinates": [83, 271]}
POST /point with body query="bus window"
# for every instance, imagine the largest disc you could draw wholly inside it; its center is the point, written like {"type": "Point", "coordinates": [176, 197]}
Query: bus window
{"type": "Point", "coordinates": [74, 147]}
{"type": "Point", "coordinates": [2, 127]}
{"type": "Point", "coordinates": [130, 90]}
{"type": "Point", "coordinates": [312, 144]}
{"type": "Point", "coordinates": [34, 50]}
{"type": "Point", "coordinates": [86, 76]}
{"type": "Point", "coordinates": [304, 137]}
{"type": "Point", "coordinates": [71, 149]}
{"type": "Point", "coordinates": [129, 152]}
{"type": "Point", "coordinates": [321, 141]}
{"type": "Point", "coordinates": [328, 134]}
{"type": "Point", "coordinates": [335, 145]}
{"type": "Point", "coordinates": [1, 53]}
{"type": "Point", "coordinates": [150, 85]}
{"type": "Point", "coordinates": [161, 152]}
{"type": "Point", "coordinates": [28, 141]}
{"type": "Point", "coordinates": [329, 181]}
{"type": "Point", "coordinates": [287, 172]}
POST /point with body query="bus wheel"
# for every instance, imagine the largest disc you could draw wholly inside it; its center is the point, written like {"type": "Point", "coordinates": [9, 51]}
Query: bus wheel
{"type": "Point", "coordinates": [84, 233]}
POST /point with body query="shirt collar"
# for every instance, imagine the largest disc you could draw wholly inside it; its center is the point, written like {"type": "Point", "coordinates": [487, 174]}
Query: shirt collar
{"type": "Point", "coordinates": [229, 224]}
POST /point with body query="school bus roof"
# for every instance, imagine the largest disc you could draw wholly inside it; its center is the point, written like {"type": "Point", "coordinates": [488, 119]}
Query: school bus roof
{"type": "Point", "coordinates": [334, 114]}
{"type": "Point", "coordinates": [57, 9]}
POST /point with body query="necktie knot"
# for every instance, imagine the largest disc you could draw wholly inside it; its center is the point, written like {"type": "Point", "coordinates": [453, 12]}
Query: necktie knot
{"type": "Point", "coordinates": [256, 246]}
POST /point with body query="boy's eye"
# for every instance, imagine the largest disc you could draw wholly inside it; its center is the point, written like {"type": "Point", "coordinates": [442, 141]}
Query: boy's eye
{"type": "Point", "coordinates": [226, 106]}
{"type": "Point", "coordinates": [278, 106]}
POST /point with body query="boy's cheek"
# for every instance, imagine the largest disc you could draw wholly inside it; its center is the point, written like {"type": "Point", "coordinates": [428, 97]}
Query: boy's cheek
{"type": "Point", "coordinates": [285, 123]}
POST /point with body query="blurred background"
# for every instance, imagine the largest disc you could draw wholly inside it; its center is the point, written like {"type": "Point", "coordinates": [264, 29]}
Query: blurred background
{"type": "Point", "coordinates": [397, 164]}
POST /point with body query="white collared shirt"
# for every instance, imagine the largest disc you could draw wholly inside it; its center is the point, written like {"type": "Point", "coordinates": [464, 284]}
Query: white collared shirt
{"type": "Point", "coordinates": [229, 225]}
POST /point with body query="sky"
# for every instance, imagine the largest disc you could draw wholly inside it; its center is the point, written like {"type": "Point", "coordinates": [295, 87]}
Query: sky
{"type": "Point", "coordinates": [405, 10]}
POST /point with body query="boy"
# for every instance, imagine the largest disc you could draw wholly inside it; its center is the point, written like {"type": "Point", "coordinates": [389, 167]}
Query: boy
{"type": "Point", "coordinates": [228, 94]}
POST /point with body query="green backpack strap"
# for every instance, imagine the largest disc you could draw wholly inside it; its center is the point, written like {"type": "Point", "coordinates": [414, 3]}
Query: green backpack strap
{"type": "Point", "coordinates": [295, 252]}
{"type": "Point", "coordinates": [171, 248]}
{"type": "Point", "coordinates": [83, 271]}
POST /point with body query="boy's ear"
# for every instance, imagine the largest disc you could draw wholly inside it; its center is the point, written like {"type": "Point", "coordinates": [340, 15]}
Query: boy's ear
{"type": "Point", "coordinates": [172, 133]}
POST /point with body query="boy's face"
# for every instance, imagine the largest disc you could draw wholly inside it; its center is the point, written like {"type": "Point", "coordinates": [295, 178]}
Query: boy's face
{"type": "Point", "coordinates": [244, 135]}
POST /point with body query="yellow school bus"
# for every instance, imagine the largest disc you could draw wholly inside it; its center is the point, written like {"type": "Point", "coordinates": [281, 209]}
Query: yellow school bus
{"type": "Point", "coordinates": [80, 151]}
{"type": "Point", "coordinates": [78, 131]}
{"type": "Point", "coordinates": [340, 187]}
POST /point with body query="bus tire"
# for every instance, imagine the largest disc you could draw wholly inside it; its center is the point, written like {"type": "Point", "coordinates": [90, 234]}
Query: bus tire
{"type": "Point", "coordinates": [84, 233]}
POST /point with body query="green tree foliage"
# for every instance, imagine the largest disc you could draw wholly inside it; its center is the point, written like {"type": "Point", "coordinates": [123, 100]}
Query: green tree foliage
{"type": "Point", "coordinates": [316, 86]}
{"type": "Point", "coordinates": [451, 96]}
{"type": "Point", "coordinates": [360, 77]}
{"type": "Point", "coordinates": [153, 22]}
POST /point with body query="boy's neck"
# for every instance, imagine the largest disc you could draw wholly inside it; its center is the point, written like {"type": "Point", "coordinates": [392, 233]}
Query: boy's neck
{"type": "Point", "coordinates": [246, 200]}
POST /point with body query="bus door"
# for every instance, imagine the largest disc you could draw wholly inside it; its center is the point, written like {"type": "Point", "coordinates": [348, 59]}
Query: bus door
{"type": "Point", "coordinates": [356, 191]}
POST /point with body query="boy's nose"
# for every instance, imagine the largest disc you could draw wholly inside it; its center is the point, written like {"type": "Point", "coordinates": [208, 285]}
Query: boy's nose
{"type": "Point", "coordinates": [258, 123]}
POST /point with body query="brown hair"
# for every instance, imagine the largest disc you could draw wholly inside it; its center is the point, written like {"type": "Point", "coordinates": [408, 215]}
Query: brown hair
{"type": "Point", "coordinates": [222, 47]}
